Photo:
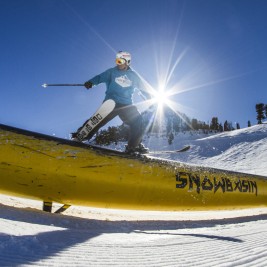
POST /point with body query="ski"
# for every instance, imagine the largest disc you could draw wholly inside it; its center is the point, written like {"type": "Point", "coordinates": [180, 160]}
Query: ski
{"type": "Point", "coordinates": [183, 149]}
{"type": "Point", "coordinates": [105, 109]}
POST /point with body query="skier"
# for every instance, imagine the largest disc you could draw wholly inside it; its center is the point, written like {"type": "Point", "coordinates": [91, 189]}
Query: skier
{"type": "Point", "coordinates": [121, 81]}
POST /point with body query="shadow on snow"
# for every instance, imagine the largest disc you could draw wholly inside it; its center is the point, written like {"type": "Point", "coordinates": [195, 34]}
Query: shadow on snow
{"type": "Point", "coordinates": [32, 248]}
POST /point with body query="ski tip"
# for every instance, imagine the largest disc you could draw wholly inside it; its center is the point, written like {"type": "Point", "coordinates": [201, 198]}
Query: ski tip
{"type": "Point", "coordinates": [184, 149]}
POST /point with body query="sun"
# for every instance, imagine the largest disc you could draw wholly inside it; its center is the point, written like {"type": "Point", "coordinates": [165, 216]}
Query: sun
{"type": "Point", "coordinates": [160, 97]}
{"type": "Point", "coordinates": [164, 101]}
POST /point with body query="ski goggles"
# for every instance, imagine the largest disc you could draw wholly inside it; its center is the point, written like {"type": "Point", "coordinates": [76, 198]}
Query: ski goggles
{"type": "Point", "coordinates": [120, 61]}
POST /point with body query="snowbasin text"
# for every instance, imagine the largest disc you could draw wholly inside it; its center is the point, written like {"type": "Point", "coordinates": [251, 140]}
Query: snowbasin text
{"type": "Point", "coordinates": [194, 182]}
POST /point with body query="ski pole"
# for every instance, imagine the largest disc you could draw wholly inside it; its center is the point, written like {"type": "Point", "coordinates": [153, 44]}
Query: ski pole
{"type": "Point", "coordinates": [62, 84]}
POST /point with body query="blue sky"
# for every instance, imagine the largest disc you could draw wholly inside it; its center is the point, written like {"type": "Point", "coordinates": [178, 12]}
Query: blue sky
{"type": "Point", "coordinates": [213, 51]}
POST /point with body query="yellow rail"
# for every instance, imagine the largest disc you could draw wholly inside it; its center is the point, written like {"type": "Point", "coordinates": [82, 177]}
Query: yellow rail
{"type": "Point", "coordinates": [50, 169]}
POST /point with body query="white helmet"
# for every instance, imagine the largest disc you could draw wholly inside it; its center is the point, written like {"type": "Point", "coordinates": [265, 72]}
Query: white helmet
{"type": "Point", "coordinates": [124, 55]}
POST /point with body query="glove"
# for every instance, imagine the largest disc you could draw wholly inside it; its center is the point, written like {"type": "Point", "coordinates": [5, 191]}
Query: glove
{"type": "Point", "coordinates": [88, 85]}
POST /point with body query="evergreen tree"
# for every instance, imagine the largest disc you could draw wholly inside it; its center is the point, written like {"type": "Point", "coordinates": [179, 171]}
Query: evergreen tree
{"type": "Point", "coordinates": [249, 124]}
{"type": "Point", "coordinates": [214, 124]}
{"type": "Point", "coordinates": [260, 108]}
{"type": "Point", "coordinates": [226, 126]}
{"type": "Point", "coordinates": [237, 126]}
{"type": "Point", "coordinates": [170, 138]}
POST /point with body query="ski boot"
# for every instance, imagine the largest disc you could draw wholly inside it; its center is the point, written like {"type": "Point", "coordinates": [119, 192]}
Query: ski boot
{"type": "Point", "coordinates": [74, 137]}
{"type": "Point", "coordinates": [140, 149]}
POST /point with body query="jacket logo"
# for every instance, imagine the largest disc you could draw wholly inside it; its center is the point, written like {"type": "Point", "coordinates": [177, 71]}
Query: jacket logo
{"type": "Point", "coordinates": [123, 81]}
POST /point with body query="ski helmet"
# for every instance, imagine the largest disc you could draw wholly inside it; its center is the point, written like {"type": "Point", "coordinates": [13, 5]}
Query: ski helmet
{"type": "Point", "coordinates": [123, 55]}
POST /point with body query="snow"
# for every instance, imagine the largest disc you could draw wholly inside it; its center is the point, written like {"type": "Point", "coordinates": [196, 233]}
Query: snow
{"type": "Point", "coordinates": [241, 150]}
{"type": "Point", "coordinates": [100, 237]}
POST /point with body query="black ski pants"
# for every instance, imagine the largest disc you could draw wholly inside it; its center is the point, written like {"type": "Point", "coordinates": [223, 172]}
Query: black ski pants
{"type": "Point", "coordinates": [131, 117]}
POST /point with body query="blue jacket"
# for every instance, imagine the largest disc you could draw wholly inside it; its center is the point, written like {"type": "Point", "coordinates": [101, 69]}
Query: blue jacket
{"type": "Point", "coordinates": [120, 84]}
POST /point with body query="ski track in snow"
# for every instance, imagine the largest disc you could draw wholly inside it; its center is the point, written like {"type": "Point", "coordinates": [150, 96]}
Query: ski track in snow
{"type": "Point", "coordinates": [99, 237]}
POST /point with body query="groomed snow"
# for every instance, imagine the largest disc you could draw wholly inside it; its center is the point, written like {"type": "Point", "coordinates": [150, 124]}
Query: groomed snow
{"type": "Point", "coordinates": [99, 237]}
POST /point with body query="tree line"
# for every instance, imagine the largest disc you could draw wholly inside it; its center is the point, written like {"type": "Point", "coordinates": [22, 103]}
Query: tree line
{"type": "Point", "coordinates": [172, 122]}
{"type": "Point", "coordinates": [168, 124]}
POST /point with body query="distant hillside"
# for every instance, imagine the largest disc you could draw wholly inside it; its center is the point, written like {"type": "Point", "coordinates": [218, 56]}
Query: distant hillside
{"type": "Point", "coordinates": [242, 150]}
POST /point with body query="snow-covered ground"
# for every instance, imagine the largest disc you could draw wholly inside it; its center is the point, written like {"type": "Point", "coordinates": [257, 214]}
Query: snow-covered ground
{"type": "Point", "coordinates": [241, 150]}
{"type": "Point", "coordinates": [99, 237]}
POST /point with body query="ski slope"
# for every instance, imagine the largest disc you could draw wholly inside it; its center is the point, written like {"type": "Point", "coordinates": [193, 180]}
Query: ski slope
{"type": "Point", "coordinates": [241, 150]}
{"type": "Point", "coordinates": [101, 237]}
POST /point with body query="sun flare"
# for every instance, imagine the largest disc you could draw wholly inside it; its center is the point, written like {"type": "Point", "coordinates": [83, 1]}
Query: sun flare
{"type": "Point", "coordinates": [160, 98]}
{"type": "Point", "coordinates": [173, 77]}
